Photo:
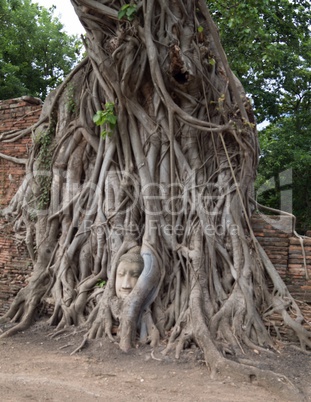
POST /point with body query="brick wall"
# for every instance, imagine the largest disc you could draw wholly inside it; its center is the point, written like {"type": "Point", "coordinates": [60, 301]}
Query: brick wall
{"type": "Point", "coordinates": [15, 115]}
{"type": "Point", "coordinates": [299, 268]}
{"type": "Point", "coordinates": [290, 254]}
{"type": "Point", "coordinates": [15, 265]}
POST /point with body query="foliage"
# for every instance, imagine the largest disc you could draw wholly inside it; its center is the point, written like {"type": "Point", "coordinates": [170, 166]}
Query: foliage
{"type": "Point", "coordinates": [107, 118]}
{"type": "Point", "coordinates": [269, 47]}
{"type": "Point", "coordinates": [101, 283]}
{"type": "Point", "coordinates": [127, 11]}
{"type": "Point", "coordinates": [35, 52]}
{"type": "Point", "coordinates": [44, 161]}
{"type": "Point", "coordinates": [268, 44]}
{"type": "Point", "coordinates": [285, 145]}
{"type": "Point", "coordinates": [70, 99]}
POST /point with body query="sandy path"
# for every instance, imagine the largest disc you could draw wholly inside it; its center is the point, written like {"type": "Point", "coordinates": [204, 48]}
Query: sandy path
{"type": "Point", "coordinates": [35, 368]}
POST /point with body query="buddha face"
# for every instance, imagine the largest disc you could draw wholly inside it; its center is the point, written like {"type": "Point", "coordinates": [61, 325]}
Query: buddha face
{"type": "Point", "coordinates": [127, 276]}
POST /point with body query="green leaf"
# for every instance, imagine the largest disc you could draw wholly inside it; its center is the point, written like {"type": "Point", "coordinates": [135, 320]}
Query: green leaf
{"type": "Point", "coordinates": [128, 11]}
{"type": "Point", "coordinates": [98, 118]}
{"type": "Point", "coordinates": [111, 118]}
{"type": "Point", "coordinates": [101, 283]}
{"type": "Point", "coordinates": [107, 117]}
{"type": "Point", "coordinates": [121, 14]}
{"type": "Point", "coordinates": [104, 133]}
{"type": "Point", "coordinates": [109, 106]}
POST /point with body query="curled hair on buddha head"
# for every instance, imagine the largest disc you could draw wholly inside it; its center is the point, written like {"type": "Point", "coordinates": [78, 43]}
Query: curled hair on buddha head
{"type": "Point", "coordinates": [133, 255]}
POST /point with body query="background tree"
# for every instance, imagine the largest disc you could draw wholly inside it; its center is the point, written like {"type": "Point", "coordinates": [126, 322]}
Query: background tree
{"type": "Point", "coordinates": [271, 54]}
{"type": "Point", "coordinates": [160, 152]}
{"type": "Point", "coordinates": [35, 52]}
{"type": "Point", "coordinates": [286, 146]}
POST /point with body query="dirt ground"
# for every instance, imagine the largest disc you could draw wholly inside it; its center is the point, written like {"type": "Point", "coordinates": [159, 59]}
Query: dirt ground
{"type": "Point", "coordinates": [36, 367]}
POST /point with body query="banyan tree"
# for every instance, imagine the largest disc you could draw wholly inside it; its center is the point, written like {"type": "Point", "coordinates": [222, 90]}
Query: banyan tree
{"type": "Point", "coordinates": [149, 149]}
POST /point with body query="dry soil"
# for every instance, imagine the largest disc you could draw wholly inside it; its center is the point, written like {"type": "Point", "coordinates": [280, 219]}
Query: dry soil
{"type": "Point", "coordinates": [36, 367]}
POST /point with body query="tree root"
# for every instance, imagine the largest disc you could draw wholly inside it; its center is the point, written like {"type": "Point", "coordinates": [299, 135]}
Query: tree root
{"type": "Point", "coordinates": [81, 346]}
{"type": "Point", "coordinates": [276, 383]}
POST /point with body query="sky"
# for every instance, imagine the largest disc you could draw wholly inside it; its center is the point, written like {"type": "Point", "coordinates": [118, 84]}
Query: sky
{"type": "Point", "coordinates": [65, 12]}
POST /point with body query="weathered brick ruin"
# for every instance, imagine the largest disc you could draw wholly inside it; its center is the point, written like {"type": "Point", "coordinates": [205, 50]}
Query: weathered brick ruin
{"type": "Point", "coordinates": [291, 255]}
{"type": "Point", "coordinates": [15, 265]}
{"type": "Point", "coordinates": [15, 114]}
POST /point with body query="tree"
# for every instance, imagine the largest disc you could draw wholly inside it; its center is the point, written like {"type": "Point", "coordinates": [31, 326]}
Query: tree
{"type": "Point", "coordinates": [161, 153]}
{"type": "Point", "coordinates": [286, 147]}
{"type": "Point", "coordinates": [268, 45]}
{"type": "Point", "coordinates": [35, 53]}
{"type": "Point", "coordinates": [271, 53]}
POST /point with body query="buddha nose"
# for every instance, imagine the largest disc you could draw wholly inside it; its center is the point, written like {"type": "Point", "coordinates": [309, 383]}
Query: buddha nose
{"type": "Point", "coordinates": [126, 282]}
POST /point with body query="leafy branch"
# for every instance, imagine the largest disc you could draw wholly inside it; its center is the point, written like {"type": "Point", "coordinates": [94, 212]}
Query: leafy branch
{"type": "Point", "coordinates": [107, 118]}
{"type": "Point", "coordinates": [127, 11]}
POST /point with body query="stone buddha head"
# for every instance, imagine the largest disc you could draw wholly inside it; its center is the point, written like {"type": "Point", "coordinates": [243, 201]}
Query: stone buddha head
{"type": "Point", "coordinates": [129, 269]}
